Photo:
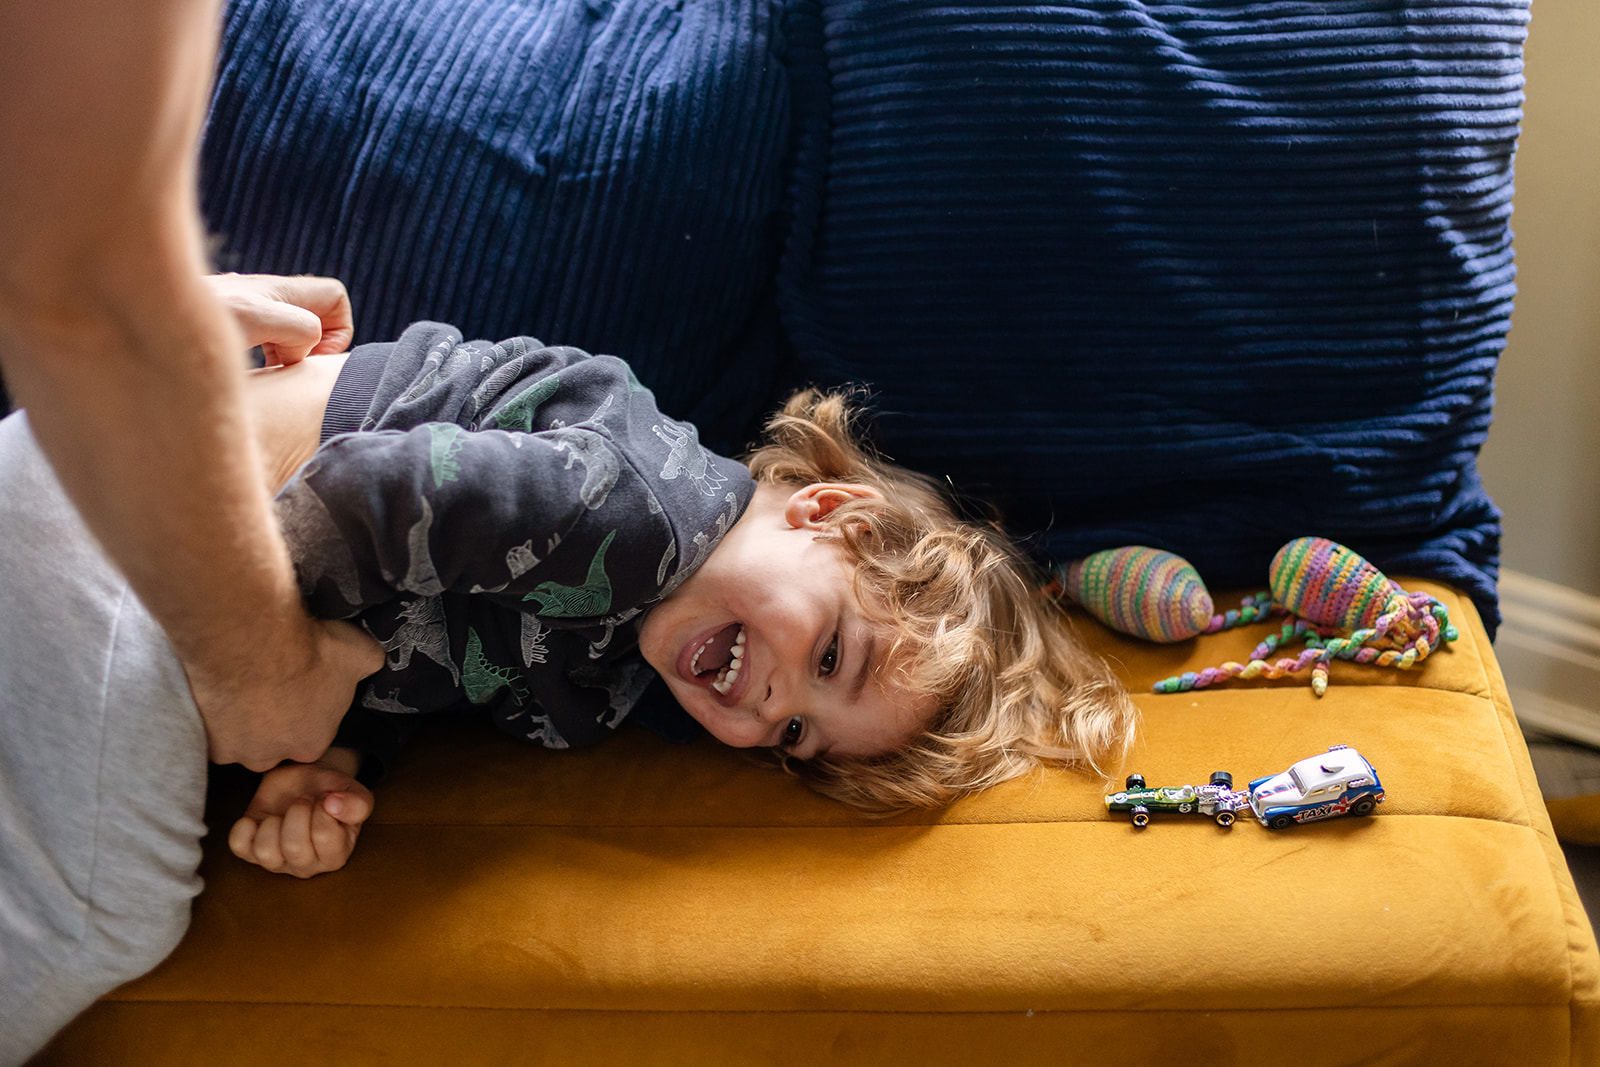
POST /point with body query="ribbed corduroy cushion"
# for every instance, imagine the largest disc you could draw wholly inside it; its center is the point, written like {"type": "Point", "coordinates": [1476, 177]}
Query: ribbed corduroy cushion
{"type": "Point", "coordinates": [604, 174]}
{"type": "Point", "coordinates": [1200, 276]}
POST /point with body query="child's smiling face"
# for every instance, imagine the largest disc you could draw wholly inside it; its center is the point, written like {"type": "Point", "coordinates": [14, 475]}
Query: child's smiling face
{"type": "Point", "coordinates": [767, 643]}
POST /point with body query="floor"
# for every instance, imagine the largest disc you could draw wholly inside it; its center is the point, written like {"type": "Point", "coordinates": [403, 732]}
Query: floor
{"type": "Point", "coordinates": [1569, 770]}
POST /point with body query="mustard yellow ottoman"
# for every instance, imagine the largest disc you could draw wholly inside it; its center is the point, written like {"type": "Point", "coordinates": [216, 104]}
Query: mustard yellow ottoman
{"type": "Point", "coordinates": [641, 903]}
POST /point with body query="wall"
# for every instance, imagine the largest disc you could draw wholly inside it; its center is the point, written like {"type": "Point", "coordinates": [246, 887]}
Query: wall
{"type": "Point", "coordinates": [1542, 461]}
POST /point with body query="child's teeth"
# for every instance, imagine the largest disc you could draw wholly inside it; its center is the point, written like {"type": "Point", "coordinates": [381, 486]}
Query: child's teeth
{"type": "Point", "coordinates": [728, 675]}
{"type": "Point", "coordinates": [736, 653]}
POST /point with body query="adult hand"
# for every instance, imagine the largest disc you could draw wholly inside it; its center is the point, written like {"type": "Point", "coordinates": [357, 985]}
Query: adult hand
{"type": "Point", "coordinates": [290, 318]}
{"type": "Point", "coordinates": [305, 817]}
{"type": "Point", "coordinates": [288, 700]}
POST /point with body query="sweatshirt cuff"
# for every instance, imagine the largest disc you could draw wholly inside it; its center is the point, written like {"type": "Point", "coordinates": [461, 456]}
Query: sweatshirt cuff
{"type": "Point", "coordinates": [353, 391]}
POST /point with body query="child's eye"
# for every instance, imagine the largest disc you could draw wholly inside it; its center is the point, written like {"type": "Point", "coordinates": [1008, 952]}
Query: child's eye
{"type": "Point", "coordinates": [793, 730]}
{"type": "Point", "coordinates": [830, 658]}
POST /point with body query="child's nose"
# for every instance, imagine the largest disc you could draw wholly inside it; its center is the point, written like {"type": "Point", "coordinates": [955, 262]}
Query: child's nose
{"type": "Point", "coordinates": [774, 706]}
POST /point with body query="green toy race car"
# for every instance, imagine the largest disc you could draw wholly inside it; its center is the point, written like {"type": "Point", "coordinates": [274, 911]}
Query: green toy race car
{"type": "Point", "coordinates": [1217, 800]}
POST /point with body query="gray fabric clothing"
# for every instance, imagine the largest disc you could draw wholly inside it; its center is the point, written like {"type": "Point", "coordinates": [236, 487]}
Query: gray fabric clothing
{"type": "Point", "coordinates": [102, 766]}
{"type": "Point", "coordinates": [500, 517]}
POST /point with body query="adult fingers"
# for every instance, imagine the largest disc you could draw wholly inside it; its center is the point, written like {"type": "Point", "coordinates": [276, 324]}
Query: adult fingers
{"type": "Point", "coordinates": [291, 705]}
{"type": "Point", "coordinates": [328, 299]}
{"type": "Point", "coordinates": [286, 333]}
{"type": "Point", "coordinates": [289, 317]}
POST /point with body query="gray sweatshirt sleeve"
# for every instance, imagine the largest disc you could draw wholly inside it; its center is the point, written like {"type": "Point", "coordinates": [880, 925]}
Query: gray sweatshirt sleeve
{"type": "Point", "coordinates": [543, 478]}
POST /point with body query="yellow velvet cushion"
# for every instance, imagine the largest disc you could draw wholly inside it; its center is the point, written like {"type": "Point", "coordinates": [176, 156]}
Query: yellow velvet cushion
{"type": "Point", "coordinates": [645, 903]}
{"type": "Point", "coordinates": [1576, 819]}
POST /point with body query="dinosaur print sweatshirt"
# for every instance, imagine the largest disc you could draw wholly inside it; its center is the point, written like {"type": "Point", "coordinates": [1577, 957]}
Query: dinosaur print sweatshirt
{"type": "Point", "coordinates": [499, 517]}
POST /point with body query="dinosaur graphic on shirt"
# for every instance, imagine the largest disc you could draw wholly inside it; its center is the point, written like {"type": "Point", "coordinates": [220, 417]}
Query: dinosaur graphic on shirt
{"type": "Point", "coordinates": [686, 457]}
{"type": "Point", "coordinates": [666, 561]}
{"type": "Point", "coordinates": [319, 549]}
{"type": "Point", "coordinates": [544, 732]}
{"type": "Point", "coordinates": [593, 597]}
{"type": "Point", "coordinates": [600, 465]}
{"type": "Point", "coordinates": [702, 544]}
{"type": "Point", "coordinates": [623, 690]}
{"type": "Point", "coordinates": [518, 414]}
{"type": "Point", "coordinates": [390, 703]}
{"type": "Point", "coordinates": [534, 633]}
{"type": "Point", "coordinates": [423, 630]}
{"type": "Point", "coordinates": [421, 575]}
{"type": "Point", "coordinates": [520, 559]}
{"type": "Point", "coordinates": [444, 441]}
{"type": "Point", "coordinates": [446, 359]}
{"type": "Point", "coordinates": [481, 680]}
{"type": "Point", "coordinates": [598, 646]}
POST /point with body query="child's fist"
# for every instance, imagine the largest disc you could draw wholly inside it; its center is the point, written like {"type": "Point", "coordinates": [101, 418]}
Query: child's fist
{"type": "Point", "coordinates": [304, 818]}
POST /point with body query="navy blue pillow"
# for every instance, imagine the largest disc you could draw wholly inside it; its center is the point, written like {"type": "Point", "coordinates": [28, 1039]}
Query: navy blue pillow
{"type": "Point", "coordinates": [1201, 276]}
{"type": "Point", "coordinates": [602, 173]}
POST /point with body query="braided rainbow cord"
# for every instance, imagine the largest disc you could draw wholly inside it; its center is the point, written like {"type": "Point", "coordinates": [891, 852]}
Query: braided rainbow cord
{"type": "Point", "coordinates": [1151, 594]}
{"type": "Point", "coordinates": [1328, 589]}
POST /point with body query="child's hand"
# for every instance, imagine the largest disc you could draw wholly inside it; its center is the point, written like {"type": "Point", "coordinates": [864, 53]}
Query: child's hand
{"type": "Point", "coordinates": [305, 817]}
{"type": "Point", "coordinates": [290, 318]}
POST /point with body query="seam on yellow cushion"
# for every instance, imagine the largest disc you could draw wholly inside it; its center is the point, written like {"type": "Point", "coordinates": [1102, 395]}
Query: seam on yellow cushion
{"type": "Point", "coordinates": [119, 997]}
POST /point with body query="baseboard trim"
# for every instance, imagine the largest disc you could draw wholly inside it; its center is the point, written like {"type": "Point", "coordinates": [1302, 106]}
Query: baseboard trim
{"type": "Point", "coordinates": [1549, 648]}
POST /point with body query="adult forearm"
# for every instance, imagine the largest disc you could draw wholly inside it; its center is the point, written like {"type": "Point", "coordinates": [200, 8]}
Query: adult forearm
{"type": "Point", "coordinates": [141, 416]}
{"type": "Point", "coordinates": [131, 370]}
{"type": "Point", "coordinates": [143, 421]}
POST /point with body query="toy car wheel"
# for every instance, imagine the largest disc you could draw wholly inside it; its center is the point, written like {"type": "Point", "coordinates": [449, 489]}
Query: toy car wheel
{"type": "Point", "coordinates": [1135, 781]}
{"type": "Point", "coordinates": [1279, 822]}
{"type": "Point", "coordinates": [1225, 818]}
{"type": "Point", "coordinates": [1363, 806]}
{"type": "Point", "coordinates": [1222, 778]}
{"type": "Point", "coordinates": [1141, 817]}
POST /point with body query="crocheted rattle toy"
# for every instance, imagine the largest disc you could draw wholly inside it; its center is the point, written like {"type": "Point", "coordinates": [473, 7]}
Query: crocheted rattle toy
{"type": "Point", "coordinates": [1326, 588]}
{"type": "Point", "coordinates": [1151, 594]}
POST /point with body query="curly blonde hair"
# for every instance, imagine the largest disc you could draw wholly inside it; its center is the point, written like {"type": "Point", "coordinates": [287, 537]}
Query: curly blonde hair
{"type": "Point", "coordinates": [1014, 688]}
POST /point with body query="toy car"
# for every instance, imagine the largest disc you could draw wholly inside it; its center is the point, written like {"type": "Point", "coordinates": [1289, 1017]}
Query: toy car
{"type": "Point", "coordinates": [1218, 800]}
{"type": "Point", "coordinates": [1339, 782]}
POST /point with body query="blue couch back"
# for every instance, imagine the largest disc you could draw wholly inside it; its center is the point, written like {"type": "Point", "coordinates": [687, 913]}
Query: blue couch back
{"type": "Point", "coordinates": [1200, 276]}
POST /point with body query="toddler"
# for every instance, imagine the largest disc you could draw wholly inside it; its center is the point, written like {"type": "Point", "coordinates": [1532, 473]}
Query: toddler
{"type": "Point", "coordinates": [527, 534]}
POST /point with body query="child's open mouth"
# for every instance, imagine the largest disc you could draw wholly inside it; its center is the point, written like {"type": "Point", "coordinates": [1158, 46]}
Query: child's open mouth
{"type": "Point", "coordinates": [717, 661]}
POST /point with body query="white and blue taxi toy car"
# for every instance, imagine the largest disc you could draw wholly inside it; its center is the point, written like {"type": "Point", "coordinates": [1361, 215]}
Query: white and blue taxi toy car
{"type": "Point", "coordinates": [1338, 782]}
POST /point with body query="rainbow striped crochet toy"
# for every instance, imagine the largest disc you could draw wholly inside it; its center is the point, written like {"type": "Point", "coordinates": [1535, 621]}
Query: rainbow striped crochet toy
{"type": "Point", "coordinates": [1151, 594]}
{"type": "Point", "coordinates": [1326, 589]}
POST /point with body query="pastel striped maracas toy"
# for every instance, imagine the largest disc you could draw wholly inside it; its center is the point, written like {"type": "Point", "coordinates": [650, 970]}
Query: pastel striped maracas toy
{"type": "Point", "coordinates": [1327, 590]}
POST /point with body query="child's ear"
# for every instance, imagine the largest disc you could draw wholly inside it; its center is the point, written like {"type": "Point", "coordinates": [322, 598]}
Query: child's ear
{"type": "Point", "coordinates": [807, 506]}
